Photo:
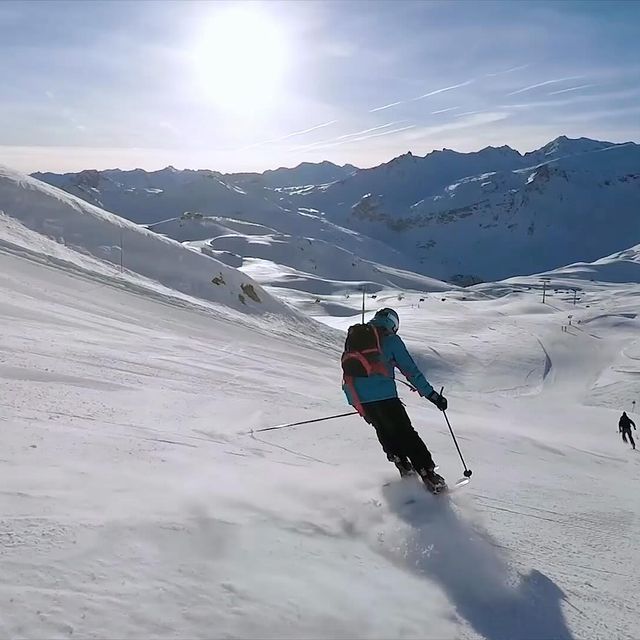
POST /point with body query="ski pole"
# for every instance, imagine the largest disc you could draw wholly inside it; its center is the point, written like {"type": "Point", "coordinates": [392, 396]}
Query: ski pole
{"type": "Point", "coordinates": [467, 472]}
{"type": "Point", "coordinates": [406, 384]}
{"type": "Point", "coordinates": [298, 424]}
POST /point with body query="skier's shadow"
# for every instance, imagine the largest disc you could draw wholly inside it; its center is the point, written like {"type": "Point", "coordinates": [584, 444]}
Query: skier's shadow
{"type": "Point", "coordinates": [465, 563]}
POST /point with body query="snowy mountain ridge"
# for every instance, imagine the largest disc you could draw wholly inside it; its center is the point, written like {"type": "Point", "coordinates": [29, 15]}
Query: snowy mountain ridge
{"type": "Point", "coordinates": [306, 173]}
{"type": "Point", "coordinates": [466, 222]}
{"type": "Point", "coordinates": [458, 217]}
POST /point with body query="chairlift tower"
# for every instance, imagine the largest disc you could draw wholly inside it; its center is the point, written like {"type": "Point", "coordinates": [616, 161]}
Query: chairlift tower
{"type": "Point", "coordinates": [544, 288]}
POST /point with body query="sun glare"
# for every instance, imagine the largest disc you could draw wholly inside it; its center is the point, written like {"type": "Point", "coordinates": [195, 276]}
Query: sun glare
{"type": "Point", "coordinates": [240, 60]}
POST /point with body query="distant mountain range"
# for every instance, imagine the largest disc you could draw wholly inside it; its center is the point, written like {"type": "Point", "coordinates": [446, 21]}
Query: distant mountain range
{"type": "Point", "coordinates": [461, 217]}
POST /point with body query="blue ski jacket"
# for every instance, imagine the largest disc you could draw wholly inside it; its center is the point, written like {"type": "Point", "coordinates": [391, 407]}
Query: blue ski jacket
{"type": "Point", "coordinates": [382, 387]}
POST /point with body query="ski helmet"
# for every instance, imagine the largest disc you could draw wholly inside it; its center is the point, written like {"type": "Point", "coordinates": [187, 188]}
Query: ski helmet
{"type": "Point", "coordinates": [388, 319]}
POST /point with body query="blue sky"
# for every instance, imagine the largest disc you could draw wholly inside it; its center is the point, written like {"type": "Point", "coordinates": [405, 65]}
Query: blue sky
{"type": "Point", "coordinates": [241, 86]}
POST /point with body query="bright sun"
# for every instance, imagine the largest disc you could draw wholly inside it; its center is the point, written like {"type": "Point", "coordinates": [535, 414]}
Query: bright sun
{"type": "Point", "coordinates": [241, 60]}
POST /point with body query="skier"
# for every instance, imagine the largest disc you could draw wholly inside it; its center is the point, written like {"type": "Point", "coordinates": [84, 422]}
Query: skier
{"type": "Point", "coordinates": [624, 426]}
{"type": "Point", "coordinates": [372, 351]}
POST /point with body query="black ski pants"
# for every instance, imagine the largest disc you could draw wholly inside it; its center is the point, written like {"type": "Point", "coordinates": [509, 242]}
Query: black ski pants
{"type": "Point", "coordinates": [626, 433]}
{"type": "Point", "coordinates": [396, 433]}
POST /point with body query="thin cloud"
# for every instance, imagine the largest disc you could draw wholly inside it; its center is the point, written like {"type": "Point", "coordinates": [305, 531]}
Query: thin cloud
{"type": "Point", "coordinates": [349, 139]}
{"type": "Point", "coordinates": [387, 106]}
{"type": "Point", "coordinates": [502, 73]}
{"type": "Point", "coordinates": [437, 91]}
{"type": "Point", "coordinates": [322, 143]}
{"type": "Point", "coordinates": [573, 99]}
{"type": "Point", "coordinates": [466, 113]}
{"type": "Point", "coordinates": [384, 133]}
{"type": "Point", "coordinates": [582, 86]}
{"type": "Point", "coordinates": [355, 135]}
{"type": "Point", "coordinates": [290, 135]}
{"type": "Point", "coordinates": [309, 130]}
{"type": "Point", "coordinates": [433, 113]}
{"type": "Point", "coordinates": [599, 114]}
{"type": "Point", "coordinates": [365, 131]}
{"type": "Point", "coordinates": [543, 84]}
{"type": "Point", "coordinates": [538, 104]}
{"type": "Point", "coordinates": [422, 97]}
{"type": "Point", "coordinates": [461, 123]}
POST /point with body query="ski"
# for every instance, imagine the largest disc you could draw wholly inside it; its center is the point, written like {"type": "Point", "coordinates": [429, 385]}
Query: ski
{"type": "Point", "coordinates": [448, 489]}
{"type": "Point", "coordinates": [442, 492]}
{"type": "Point", "coordinates": [459, 483]}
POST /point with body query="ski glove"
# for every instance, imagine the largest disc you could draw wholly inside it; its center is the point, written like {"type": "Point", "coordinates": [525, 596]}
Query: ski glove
{"type": "Point", "coordinates": [438, 400]}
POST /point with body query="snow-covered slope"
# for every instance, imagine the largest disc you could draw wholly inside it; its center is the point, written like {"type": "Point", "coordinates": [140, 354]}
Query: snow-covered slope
{"type": "Point", "coordinates": [622, 266]}
{"type": "Point", "coordinates": [460, 217]}
{"type": "Point", "coordinates": [485, 216]}
{"type": "Point", "coordinates": [136, 502]}
{"type": "Point", "coordinates": [33, 214]}
{"type": "Point", "coordinates": [138, 499]}
{"type": "Point", "coordinates": [195, 226]}
{"type": "Point", "coordinates": [315, 261]}
{"type": "Point", "coordinates": [131, 194]}
{"type": "Point", "coordinates": [336, 265]}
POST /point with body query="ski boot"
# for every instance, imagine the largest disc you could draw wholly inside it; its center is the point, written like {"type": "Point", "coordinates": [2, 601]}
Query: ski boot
{"type": "Point", "coordinates": [403, 465]}
{"type": "Point", "coordinates": [433, 481]}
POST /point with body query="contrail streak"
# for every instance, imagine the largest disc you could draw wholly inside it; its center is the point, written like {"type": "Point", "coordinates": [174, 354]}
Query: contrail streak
{"type": "Point", "coordinates": [501, 73]}
{"type": "Point", "coordinates": [426, 95]}
{"type": "Point", "coordinates": [337, 142]}
{"type": "Point", "coordinates": [322, 143]}
{"type": "Point", "coordinates": [543, 84]}
{"type": "Point", "coordinates": [433, 93]}
{"type": "Point", "coordinates": [582, 86]}
{"type": "Point", "coordinates": [290, 135]}
{"type": "Point", "coordinates": [387, 106]}
{"type": "Point", "coordinates": [433, 113]}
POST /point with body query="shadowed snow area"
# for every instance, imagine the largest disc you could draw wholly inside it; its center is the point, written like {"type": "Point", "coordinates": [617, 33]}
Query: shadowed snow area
{"type": "Point", "coordinates": [139, 501]}
{"type": "Point", "coordinates": [469, 567]}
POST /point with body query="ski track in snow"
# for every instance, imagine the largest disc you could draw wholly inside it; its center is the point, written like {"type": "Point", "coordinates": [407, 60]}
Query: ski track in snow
{"type": "Point", "coordinates": [468, 565]}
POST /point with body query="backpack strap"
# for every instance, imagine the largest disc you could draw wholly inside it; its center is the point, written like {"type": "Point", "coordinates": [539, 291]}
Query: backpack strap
{"type": "Point", "coordinates": [355, 398]}
{"type": "Point", "coordinates": [379, 366]}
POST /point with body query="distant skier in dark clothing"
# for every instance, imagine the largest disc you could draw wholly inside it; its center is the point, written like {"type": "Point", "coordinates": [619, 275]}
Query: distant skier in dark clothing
{"type": "Point", "coordinates": [624, 425]}
{"type": "Point", "coordinates": [372, 352]}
